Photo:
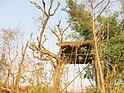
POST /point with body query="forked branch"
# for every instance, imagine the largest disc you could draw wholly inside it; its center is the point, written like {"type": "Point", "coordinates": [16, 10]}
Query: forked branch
{"type": "Point", "coordinates": [45, 20]}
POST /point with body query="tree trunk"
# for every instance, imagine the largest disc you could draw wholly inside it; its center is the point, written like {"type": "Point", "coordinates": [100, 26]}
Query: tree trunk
{"type": "Point", "coordinates": [99, 70]}
{"type": "Point", "coordinates": [57, 79]}
{"type": "Point", "coordinates": [97, 59]}
{"type": "Point", "coordinates": [97, 75]}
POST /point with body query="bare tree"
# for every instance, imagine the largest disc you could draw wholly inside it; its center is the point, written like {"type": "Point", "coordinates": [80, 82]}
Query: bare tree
{"type": "Point", "coordinates": [8, 37]}
{"type": "Point", "coordinates": [45, 54]}
{"type": "Point", "coordinates": [19, 72]}
{"type": "Point", "coordinates": [11, 51]}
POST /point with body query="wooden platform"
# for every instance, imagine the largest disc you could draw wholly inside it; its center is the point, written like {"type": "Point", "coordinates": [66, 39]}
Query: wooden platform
{"type": "Point", "coordinates": [77, 52]}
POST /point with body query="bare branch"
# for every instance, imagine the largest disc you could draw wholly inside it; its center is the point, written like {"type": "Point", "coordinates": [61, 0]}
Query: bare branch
{"type": "Point", "coordinates": [44, 21]}
{"type": "Point", "coordinates": [55, 9]}
{"type": "Point", "coordinates": [53, 31]}
{"type": "Point", "coordinates": [39, 7]}
{"type": "Point", "coordinates": [102, 10]}
{"type": "Point", "coordinates": [91, 4]}
{"type": "Point", "coordinates": [16, 53]}
{"type": "Point", "coordinates": [44, 5]}
{"type": "Point", "coordinates": [62, 31]}
{"type": "Point", "coordinates": [58, 26]}
{"type": "Point", "coordinates": [36, 5]}
{"type": "Point", "coordinates": [51, 3]}
{"type": "Point", "coordinates": [18, 76]}
{"type": "Point", "coordinates": [67, 27]}
{"type": "Point", "coordinates": [42, 31]}
{"type": "Point", "coordinates": [44, 42]}
{"type": "Point", "coordinates": [99, 3]}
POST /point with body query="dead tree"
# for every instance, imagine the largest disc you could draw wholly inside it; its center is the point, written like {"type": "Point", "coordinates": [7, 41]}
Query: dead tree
{"type": "Point", "coordinates": [9, 45]}
{"type": "Point", "coordinates": [19, 72]}
{"type": "Point", "coordinates": [45, 54]}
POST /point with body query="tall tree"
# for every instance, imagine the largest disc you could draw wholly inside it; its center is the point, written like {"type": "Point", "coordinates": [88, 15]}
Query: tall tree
{"type": "Point", "coordinates": [112, 44]}
{"type": "Point", "coordinates": [39, 48]}
{"type": "Point", "coordinates": [108, 32]}
{"type": "Point", "coordinates": [91, 14]}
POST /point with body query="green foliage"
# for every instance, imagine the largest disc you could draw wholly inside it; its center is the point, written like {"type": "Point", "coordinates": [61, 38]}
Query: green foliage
{"type": "Point", "coordinates": [42, 88]}
{"type": "Point", "coordinates": [74, 36]}
{"type": "Point", "coordinates": [80, 18]}
{"type": "Point", "coordinates": [116, 89]}
{"type": "Point", "coordinates": [115, 50]}
{"type": "Point", "coordinates": [112, 39]}
{"type": "Point", "coordinates": [119, 89]}
{"type": "Point", "coordinates": [122, 24]}
{"type": "Point", "coordinates": [80, 58]}
{"type": "Point", "coordinates": [89, 72]}
{"type": "Point", "coordinates": [83, 49]}
{"type": "Point", "coordinates": [113, 42]}
{"type": "Point", "coordinates": [111, 35]}
{"type": "Point", "coordinates": [92, 90]}
{"type": "Point", "coordinates": [109, 26]}
{"type": "Point", "coordinates": [114, 54]}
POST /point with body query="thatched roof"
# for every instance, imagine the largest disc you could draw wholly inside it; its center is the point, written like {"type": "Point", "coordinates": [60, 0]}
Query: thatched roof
{"type": "Point", "coordinates": [91, 42]}
{"type": "Point", "coordinates": [77, 52]}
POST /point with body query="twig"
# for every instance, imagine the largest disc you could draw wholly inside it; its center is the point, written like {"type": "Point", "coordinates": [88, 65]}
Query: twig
{"type": "Point", "coordinates": [102, 10]}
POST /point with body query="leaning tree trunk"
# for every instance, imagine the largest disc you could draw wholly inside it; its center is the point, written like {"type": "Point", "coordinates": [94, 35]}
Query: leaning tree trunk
{"type": "Point", "coordinates": [97, 74]}
{"type": "Point", "coordinates": [97, 59]}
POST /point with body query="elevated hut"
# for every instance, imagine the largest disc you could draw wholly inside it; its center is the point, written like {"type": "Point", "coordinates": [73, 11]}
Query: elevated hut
{"type": "Point", "coordinates": [77, 52]}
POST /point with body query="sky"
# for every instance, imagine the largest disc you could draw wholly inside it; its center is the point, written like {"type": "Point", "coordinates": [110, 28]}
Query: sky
{"type": "Point", "coordinates": [14, 12]}
{"type": "Point", "coordinates": [20, 12]}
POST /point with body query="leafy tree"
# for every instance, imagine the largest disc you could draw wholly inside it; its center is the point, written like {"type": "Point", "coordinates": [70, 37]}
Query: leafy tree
{"type": "Point", "coordinates": [113, 49]}
{"type": "Point", "coordinates": [110, 34]}
{"type": "Point", "coordinates": [80, 18]}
